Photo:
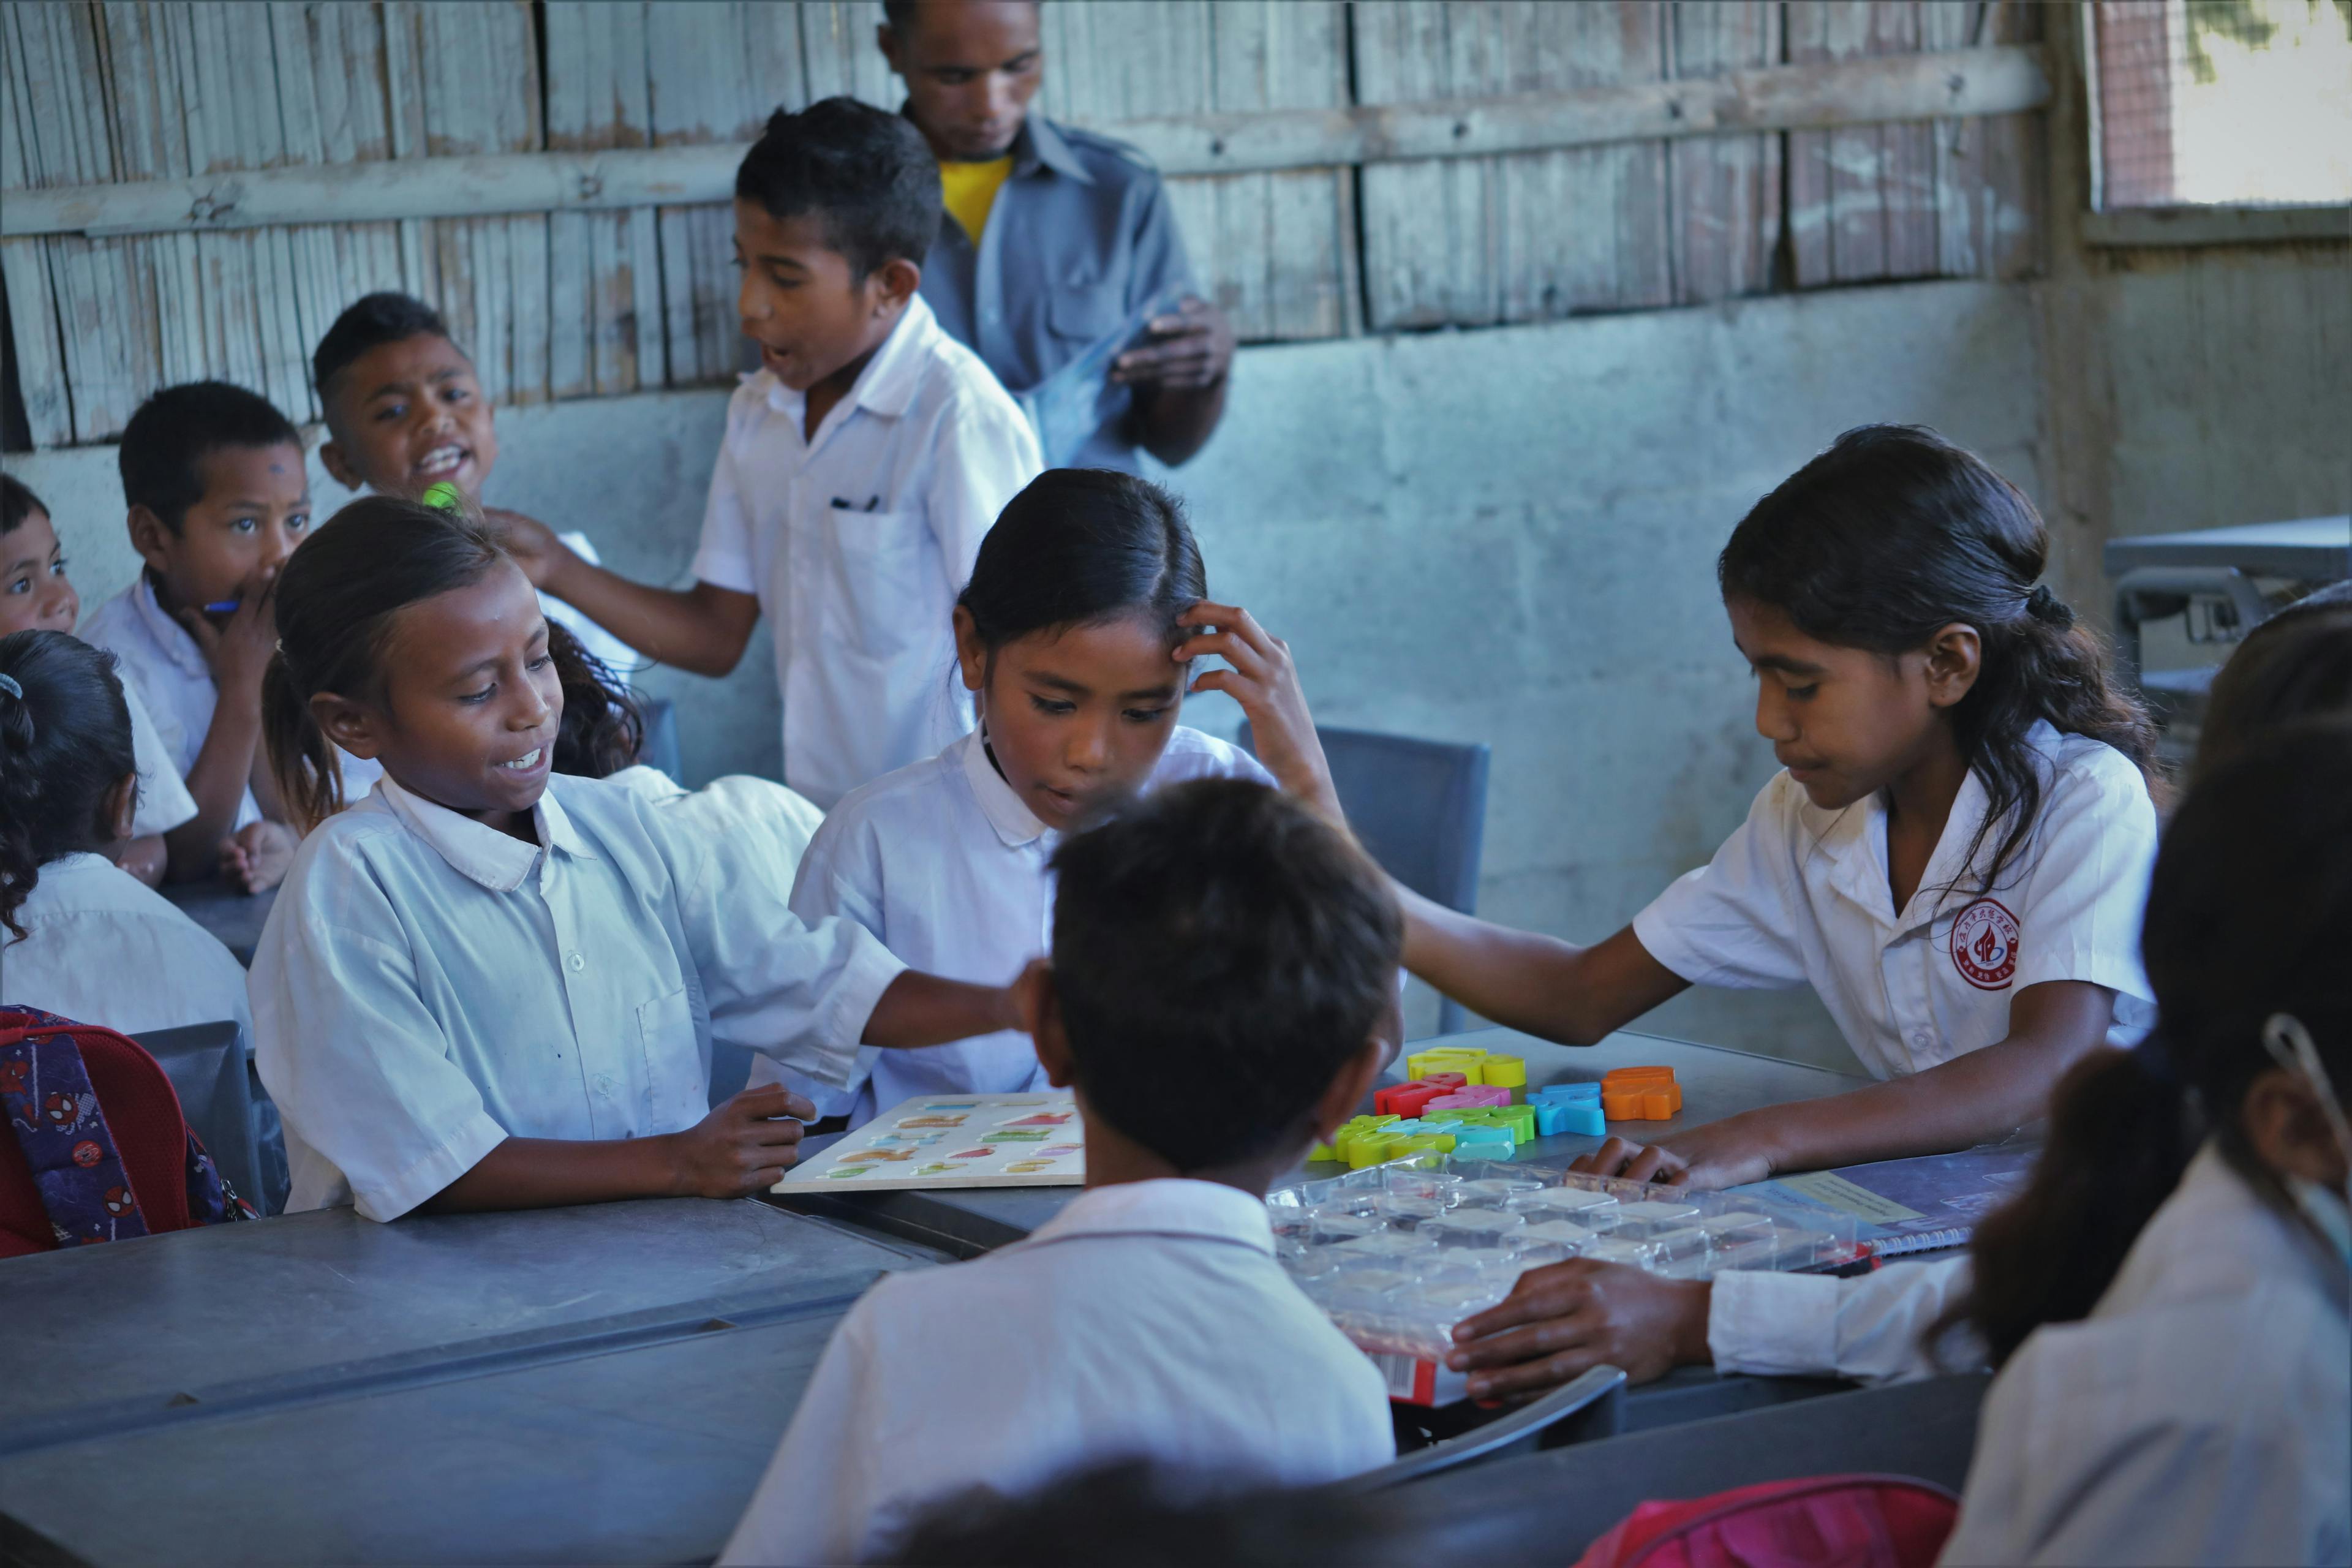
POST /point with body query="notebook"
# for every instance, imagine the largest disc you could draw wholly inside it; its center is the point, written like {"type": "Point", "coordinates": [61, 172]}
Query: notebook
{"type": "Point", "coordinates": [1919, 1205]}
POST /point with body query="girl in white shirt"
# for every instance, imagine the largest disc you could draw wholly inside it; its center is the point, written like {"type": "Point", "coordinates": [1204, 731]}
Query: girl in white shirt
{"type": "Point", "coordinates": [36, 595]}
{"type": "Point", "coordinates": [1954, 858]}
{"type": "Point", "coordinates": [2168, 1300]}
{"type": "Point", "coordinates": [1087, 603]}
{"type": "Point", "coordinates": [490, 986]}
{"type": "Point", "coordinates": [83, 939]}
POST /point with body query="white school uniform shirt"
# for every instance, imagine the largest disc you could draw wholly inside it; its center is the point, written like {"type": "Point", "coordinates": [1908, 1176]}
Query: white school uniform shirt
{"type": "Point", "coordinates": [945, 863]}
{"type": "Point", "coordinates": [1148, 1320]}
{"type": "Point", "coordinates": [427, 987]}
{"type": "Point", "coordinates": [757, 819]}
{"type": "Point", "coordinates": [2201, 1414]}
{"type": "Point", "coordinates": [1800, 895]}
{"type": "Point", "coordinates": [156, 655]}
{"type": "Point", "coordinates": [102, 947]}
{"type": "Point", "coordinates": [1870, 1327]}
{"type": "Point", "coordinates": [164, 802]}
{"type": "Point", "coordinates": [924, 451]}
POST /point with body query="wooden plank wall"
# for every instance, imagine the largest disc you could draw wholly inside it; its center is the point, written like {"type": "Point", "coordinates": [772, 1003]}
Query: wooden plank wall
{"type": "Point", "coordinates": [582, 304]}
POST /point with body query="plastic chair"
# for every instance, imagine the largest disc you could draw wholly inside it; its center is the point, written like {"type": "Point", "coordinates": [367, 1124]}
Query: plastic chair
{"type": "Point", "coordinates": [1550, 1507]}
{"type": "Point", "coordinates": [660, 748]}
{"type": "Point", "coordinates": [1419, 807]}
{"type": "Point", "coordinates": [1592, 1405]}
{"type": "Point", "coordinates": [209, 1069]}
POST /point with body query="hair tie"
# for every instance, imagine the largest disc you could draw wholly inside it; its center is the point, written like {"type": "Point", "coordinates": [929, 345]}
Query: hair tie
{"type": "Point", "coordinates": [2044, 605]}
{"type": "Point", "coordinates": [8, 684]}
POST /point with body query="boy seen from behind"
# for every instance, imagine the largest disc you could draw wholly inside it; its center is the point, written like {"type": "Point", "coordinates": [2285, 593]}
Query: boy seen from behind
{"type": "Point", "coordinates": [214, 479]}
{"type": "Point", "coordinates": [860, 467]}
{"type": "Point", "coordinates": [405, 411]}
{"type": "Point", "coordinates": [1221, 993]}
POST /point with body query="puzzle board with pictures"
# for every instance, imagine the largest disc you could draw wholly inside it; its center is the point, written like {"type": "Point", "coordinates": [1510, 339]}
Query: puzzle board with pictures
{"type": "Point", "coordinates": [956, 1141]}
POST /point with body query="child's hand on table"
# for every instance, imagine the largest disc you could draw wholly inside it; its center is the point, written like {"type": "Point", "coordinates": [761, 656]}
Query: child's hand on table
{"type": "Point", "coordinates": [1264, 681]}
{"type": "Point", "coordinates": [531, 543]}
{"type": "Point", "coordinates": [255, 858]}
{"type": "Point", "coordinates": [1724, 1154]}
{"type": "Point", "coordinates": [741, 1148]}
{"type": "Point", "coordinates": [1564, 1319]}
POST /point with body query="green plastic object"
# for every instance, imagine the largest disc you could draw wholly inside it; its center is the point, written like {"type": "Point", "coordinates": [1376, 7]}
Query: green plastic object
{"type": "Point", "coordinates": [443, 496]}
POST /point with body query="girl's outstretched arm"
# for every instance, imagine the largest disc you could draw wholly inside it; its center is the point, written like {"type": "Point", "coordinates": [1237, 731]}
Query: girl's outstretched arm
{"type": "Point", "coordinates": [1971, 1099]}
{"type": "Point", "coordinates": [920, 1009]}
{"type": "Point", "coordinates": [1538, 985]}
{"type": "Point", "coordinates": [1264, 681]}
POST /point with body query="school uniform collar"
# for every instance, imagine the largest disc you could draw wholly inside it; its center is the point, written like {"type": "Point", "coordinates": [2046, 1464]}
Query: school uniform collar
{"type": "Point", "coordinates": [1172, 1207]}
{"type": "Point", "coordinates": [1041, 143]}
{"type": "Point", "coordinates": [1015, 824]}
{"type": "Point", "coordinates": [173, 638]}
{"type": "Point", "coordinates": [496, 860]}
{"type": "Point", "coordinates": [1855, 841]}
{"type": "Point", "coordinates": [891, 380]}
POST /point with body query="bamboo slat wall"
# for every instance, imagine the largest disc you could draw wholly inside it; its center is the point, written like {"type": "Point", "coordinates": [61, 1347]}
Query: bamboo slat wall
{"type": "Point", "coordinates": [572, 304]}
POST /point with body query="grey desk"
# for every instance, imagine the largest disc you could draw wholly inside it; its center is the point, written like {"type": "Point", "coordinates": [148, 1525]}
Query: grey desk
{"type": "Point", "coordinates": [589, 1384]}
{"type": "Point", "coordinates": [1715, 1083]}
{"type": "Point", "coordinates": [236, 918]}
{"type": "Point", "coordinates": [2311, 549]}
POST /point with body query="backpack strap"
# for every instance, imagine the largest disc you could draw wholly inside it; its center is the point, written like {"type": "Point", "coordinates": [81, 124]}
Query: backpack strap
{"type": "Point", "coordinates": [53, 1111]}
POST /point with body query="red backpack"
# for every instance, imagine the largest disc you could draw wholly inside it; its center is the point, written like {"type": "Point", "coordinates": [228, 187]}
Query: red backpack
{"type": "Point", "coordinates": [95, 1148]}
{"type": "Point", "coordinates": [1824, 1522]}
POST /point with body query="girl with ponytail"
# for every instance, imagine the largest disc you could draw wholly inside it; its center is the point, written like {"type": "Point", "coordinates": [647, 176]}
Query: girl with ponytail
{"type": "Point", "coordinates": [79, 936]}
{"type": "Point", "coordinates": [2167, 1300]}
{"type": "Point", "coordinates": [1953, 858]}
{"type": "Point", "coordinates": [490, 984]}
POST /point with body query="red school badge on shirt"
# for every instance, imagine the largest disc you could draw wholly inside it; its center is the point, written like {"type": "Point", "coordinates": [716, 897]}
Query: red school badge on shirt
{"type": "Point", "coordinates": [1984, 944]}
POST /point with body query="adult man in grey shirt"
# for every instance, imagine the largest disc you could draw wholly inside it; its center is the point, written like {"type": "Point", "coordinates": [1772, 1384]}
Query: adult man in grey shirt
{"type": "Point", "coordinates": [1074, 265]}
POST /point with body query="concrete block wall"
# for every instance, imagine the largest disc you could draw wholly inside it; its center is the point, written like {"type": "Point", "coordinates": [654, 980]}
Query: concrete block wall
{"type": "Point", "coordinates": [1509, 535]}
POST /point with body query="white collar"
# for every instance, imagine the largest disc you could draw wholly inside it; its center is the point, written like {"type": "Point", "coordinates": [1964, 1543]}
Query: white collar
{"type": "Point", "coordinates": [1854, 839]}
{"type": "Point", "coordinates": [1014, 822]}
{"type": "Point", "coordinates": [175, 639]}
{"type": "Point", "coordinates": [1169, 1207]}
{"type": "Point", "coordinates": [888, 384]}
{"type": "Point", "coordinates": [499, 861]}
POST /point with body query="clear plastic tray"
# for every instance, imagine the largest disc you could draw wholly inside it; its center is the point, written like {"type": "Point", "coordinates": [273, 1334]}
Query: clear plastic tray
{"type": "Point", "coordinates": [1398, 1254]}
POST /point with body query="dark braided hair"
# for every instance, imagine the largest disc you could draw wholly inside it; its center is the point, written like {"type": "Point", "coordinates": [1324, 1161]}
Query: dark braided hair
{"type": "Point", "coordinates": [65, 747]}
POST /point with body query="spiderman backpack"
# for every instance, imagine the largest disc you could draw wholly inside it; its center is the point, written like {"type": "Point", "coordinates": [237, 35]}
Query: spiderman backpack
{"type": "Point", "coordinates": [1822, 1521]}
{"type": "Point", "coordinates": [96, 1147]}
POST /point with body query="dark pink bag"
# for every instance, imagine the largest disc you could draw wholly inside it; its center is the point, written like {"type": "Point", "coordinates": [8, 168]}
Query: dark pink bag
{"type": "Point", "coordinates": [1824, 1522]}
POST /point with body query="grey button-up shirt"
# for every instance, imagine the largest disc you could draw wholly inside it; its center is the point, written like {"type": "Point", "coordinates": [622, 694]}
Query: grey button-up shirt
{"type": "Point", "coordinates": [1081, 237]}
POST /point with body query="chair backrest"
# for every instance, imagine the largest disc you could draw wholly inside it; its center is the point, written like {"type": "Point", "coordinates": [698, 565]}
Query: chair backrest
{"type": "Point", "coordinates": [1420, 809]}
{"type": "Point", "coordinates": [142, 1110]}
{"type": "Point", "coordinates": [1550, 1507]}
{"type": "Point", "coordinates": [660, 747]}
{"type": "Point", "coordinates": [1592, 1405]}
{"type": "Point", "coordinates": [206, 1065]}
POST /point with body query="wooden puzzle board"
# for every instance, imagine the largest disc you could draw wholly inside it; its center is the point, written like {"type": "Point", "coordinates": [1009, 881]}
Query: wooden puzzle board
{"type": "Point", "coordinates": [955, 1140]}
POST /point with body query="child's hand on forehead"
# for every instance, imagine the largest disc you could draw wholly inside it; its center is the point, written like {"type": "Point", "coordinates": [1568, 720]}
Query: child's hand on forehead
{"type": "Point", "coordinates": [1263, 679]}
{"type": "Point", "coordinates": [237, 650]}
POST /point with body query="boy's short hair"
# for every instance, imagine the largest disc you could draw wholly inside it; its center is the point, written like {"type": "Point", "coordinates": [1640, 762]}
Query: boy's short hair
{"type": "Point", "coordinates": [1219, 953]}
{"type": "Point", "coordinates": [167, 440]}
{"type": "Point", "coordinates": [371, 322]}
{"type": "Point", "coordinates": [17, 504]}
{"type": "Point", "coordinates": [866, 171]}
{"type": "Point", "coordinates": [901, 14]}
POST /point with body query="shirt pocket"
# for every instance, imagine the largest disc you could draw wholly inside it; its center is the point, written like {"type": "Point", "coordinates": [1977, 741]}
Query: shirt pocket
{"type": "Point", "coordinates": [676, 1084]}
{"type": "Point", "coordinates": [877, 601]}
{"type": "Point", "coordinates": [1085, 310]}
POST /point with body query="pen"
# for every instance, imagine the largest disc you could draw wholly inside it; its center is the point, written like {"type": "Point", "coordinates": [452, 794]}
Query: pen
{"type": "Point", "coordinates": [222, 607]}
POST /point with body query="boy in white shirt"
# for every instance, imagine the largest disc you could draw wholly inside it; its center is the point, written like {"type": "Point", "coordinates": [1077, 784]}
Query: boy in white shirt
{"type": "Point", "coordinates": [218, 497]}
{"type": "Point", "coordinates": [405, 411]}
{"type": "Point", "coordinates": [1222, 991]}
{"type": "Point", "coordinates": [36, 595]}
{"type": "Point", "coordinates": [861, 465]}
